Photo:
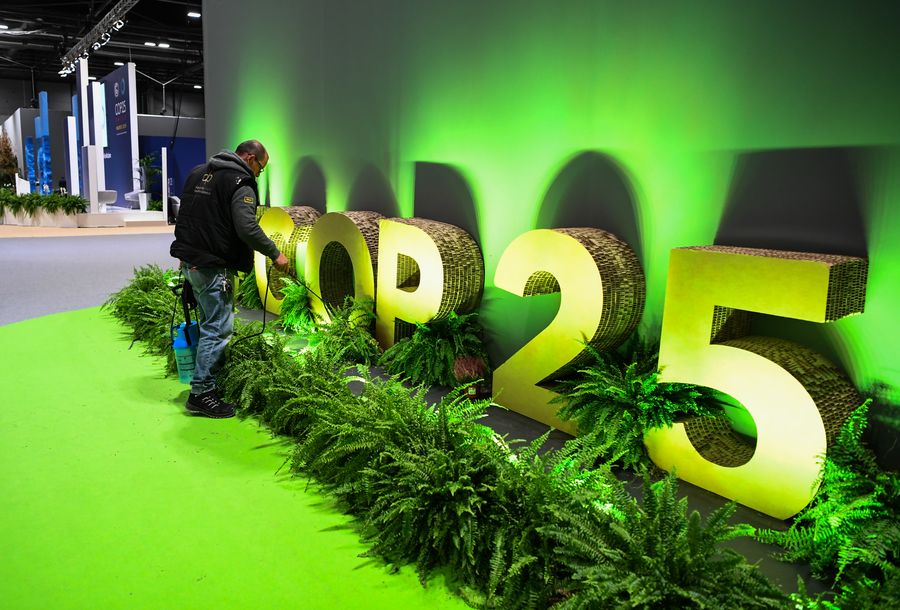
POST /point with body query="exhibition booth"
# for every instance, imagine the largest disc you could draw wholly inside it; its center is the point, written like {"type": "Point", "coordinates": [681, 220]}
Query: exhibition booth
{"type": "Point", "coordinates": [123, 164]}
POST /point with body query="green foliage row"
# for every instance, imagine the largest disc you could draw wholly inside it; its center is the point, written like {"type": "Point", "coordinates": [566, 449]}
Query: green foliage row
{"type": "Point", "coordinates": [146, 306]}
{"type": "Point", "coordinates": [429, 485]}
{"type": "Point", "coordinates": [431, 355]}
{"type": "Point", "coordinates": [30, 204]}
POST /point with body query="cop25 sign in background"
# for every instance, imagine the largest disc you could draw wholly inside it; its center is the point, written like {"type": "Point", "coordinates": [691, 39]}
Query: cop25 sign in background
{"type": "Point", "coordinates": [417, 270]}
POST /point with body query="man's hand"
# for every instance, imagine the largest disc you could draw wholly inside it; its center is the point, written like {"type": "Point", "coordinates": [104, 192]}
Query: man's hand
{"type": "Point", "coordinates": [281, 263]}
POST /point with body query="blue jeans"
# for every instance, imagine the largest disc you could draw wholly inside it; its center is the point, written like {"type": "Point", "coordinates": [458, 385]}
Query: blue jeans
{"type": "Point", "coordinates": [215, 299]}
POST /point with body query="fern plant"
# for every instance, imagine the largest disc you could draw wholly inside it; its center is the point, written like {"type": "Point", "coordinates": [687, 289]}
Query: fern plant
{"type": "Point", "coordinates": [532, 489]}
{"type": "Point", "coordinates": [296, 315]}
{"type": "Point", "coordinates": [260, 375]}
{"type": "Point", "coordinates": [418, 475]}
{"type": "Point", "coordinates": [860, 594]}
{"type": "Point", "coordinates": [247, 294]}
{"type": "Point", "coordinates": [351, 431]}
{"type": "Point", "coordinates": [434, 508]}
{"type": "Point", "coordinates": [347, 337]}
{"type": "Point", "coordinates": [437, 350]}
{"type": "Point", "coordinates": [146, 305]}
{"type": "Point", "coordinates": [853, 523]}
{"type": "Point", "coordinates": [653, 554]}
{"type": "Point", "coordinates": [618, 398]}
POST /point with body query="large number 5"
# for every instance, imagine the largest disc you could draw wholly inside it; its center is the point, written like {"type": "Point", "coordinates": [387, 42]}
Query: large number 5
{"type": "Point", "coordinates": [797, 399]}
{"type": "Point", "coordinates": [601, 301]}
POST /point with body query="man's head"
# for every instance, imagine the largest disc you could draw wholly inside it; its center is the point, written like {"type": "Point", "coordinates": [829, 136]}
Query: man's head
{"type": "Point", "coordinates": [254, 154]}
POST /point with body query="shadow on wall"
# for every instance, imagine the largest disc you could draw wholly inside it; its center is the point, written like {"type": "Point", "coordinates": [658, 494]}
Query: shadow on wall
{"type": "Point", "coordinates": [443, 194]}
{"type": "Point", "coordinates": [807, 200]}
{"type": "Point", "coordinates": [309, 184]}
{"type": "Point", "coordinates": [804, 200]}
{"type": "Point", "coordinates": [593, 190]}
{"type": "Point", "coordinates": [371, 192]}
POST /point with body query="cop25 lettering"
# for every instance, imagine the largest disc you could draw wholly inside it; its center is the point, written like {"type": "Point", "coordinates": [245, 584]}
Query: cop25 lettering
{"type": "Point", "coordinates": [418, 270]}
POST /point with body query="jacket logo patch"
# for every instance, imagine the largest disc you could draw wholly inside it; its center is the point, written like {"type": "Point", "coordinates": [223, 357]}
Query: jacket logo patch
{"type": "Point", "coordinates": [206, 178]}
{"type": "Point", "coordinates": [248, 199]}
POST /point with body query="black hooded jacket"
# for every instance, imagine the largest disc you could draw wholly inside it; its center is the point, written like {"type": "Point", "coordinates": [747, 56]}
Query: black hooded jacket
{"type": "Point", "coordinates": [216, 224]}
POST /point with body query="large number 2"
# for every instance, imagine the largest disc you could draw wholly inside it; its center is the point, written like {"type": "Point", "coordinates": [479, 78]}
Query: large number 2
{"type": "Point", "coordinates": [602, 292]}
{"type": "Point", "coordinates": [797, 399]}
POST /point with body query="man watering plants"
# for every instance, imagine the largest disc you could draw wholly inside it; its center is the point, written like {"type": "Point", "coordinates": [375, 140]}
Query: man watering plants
{"type": "Point", "coordinates": [216, 234]}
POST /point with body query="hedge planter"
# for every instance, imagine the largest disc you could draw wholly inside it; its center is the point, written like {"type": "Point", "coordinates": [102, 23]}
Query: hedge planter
{"type": "Point", "coordinates": [33, 210]}
{"type": "Point", "coordinates": [55, 219]}
{"type": "Point", "coordinates": [17, 218]}
{"type": "Point", "coordinates": [41, 218]}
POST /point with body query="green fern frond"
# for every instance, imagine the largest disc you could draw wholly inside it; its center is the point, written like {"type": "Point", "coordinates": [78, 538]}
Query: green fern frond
{"type": "Point", "coordinates": [296, 315]}
{"type": "Point", "coordinates": [617, 398]}
{"type": "Point", "coordinates": [429, 356]}
{"type": "Point", "coordinates": [347, 338]}
{"type": "Point", "coordinates": [247, 293]}
{"type": "Point", "coordinates": [657, 556]}
{"type": "Point", "coordinates": [851, 526]}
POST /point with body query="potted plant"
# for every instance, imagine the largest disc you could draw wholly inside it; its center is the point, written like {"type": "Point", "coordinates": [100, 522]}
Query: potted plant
{"type": "Point", "coordinates": [148, 173]}
{"type": "Point", "coordinates": [448, 352]}
{"type": "Point", "coordinates": [471, 371]}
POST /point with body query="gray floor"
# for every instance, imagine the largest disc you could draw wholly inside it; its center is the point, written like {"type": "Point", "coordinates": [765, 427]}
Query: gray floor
{"type": "Point", "coordinates": [41, 276]}
{"type": "Point", "coordinates": [44, 275]}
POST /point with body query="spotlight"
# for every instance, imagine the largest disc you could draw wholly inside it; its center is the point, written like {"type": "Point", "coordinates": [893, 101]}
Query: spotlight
{"type": "Point", "coordinates": [99, 35]}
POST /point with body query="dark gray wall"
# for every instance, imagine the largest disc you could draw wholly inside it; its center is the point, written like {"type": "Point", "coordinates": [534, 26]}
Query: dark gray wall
{"type": "Point", "coordinates": [177, 102]}
{"type": "Point", "coordinates": [151, 125]}
{"type": "Point", "coordinates": [18, 94]}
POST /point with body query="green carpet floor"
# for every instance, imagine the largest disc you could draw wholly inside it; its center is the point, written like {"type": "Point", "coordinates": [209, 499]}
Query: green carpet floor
{"type": "Point", "coordinates": [113, 497]}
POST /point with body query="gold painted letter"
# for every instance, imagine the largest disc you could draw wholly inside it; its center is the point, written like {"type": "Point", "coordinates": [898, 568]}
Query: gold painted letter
{"type": "Point", "coordinates": [796, 398]}
{"type": "Point", "coordinates": [426, 269]}
{"type": "Point", "coordinates": [601, 302]}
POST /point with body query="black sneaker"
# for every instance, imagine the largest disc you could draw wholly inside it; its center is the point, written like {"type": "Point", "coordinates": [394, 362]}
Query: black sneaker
{"type": "Point", "coordinates": [210, 405]}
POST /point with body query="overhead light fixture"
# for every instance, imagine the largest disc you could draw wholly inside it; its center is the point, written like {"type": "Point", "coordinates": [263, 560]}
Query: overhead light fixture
{"type": "Point", "coordinates": [92, 78]}
{"type": "Point", "coordinates": [118, 63]}
{"type": "Point", "coordinates": [149, 44]}
{"type": "Point", "coordinates": [164, 45]}
{"type": "Point", "coordinates": [6, 27]}
{"type": "Point", "coordinates": [198, 86]}
{"type": "Point", "coordinates": [193, 14]}
{"type": "Point", "coordinates": [99, 35]}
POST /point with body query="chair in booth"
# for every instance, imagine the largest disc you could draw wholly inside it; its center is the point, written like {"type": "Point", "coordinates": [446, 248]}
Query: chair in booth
{"type": "Point", "coordinates": [105, 198]}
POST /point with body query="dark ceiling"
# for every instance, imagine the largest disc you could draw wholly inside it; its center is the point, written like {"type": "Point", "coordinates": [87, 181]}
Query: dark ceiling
{"type": "Point", "coordinates": [41, 32]}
